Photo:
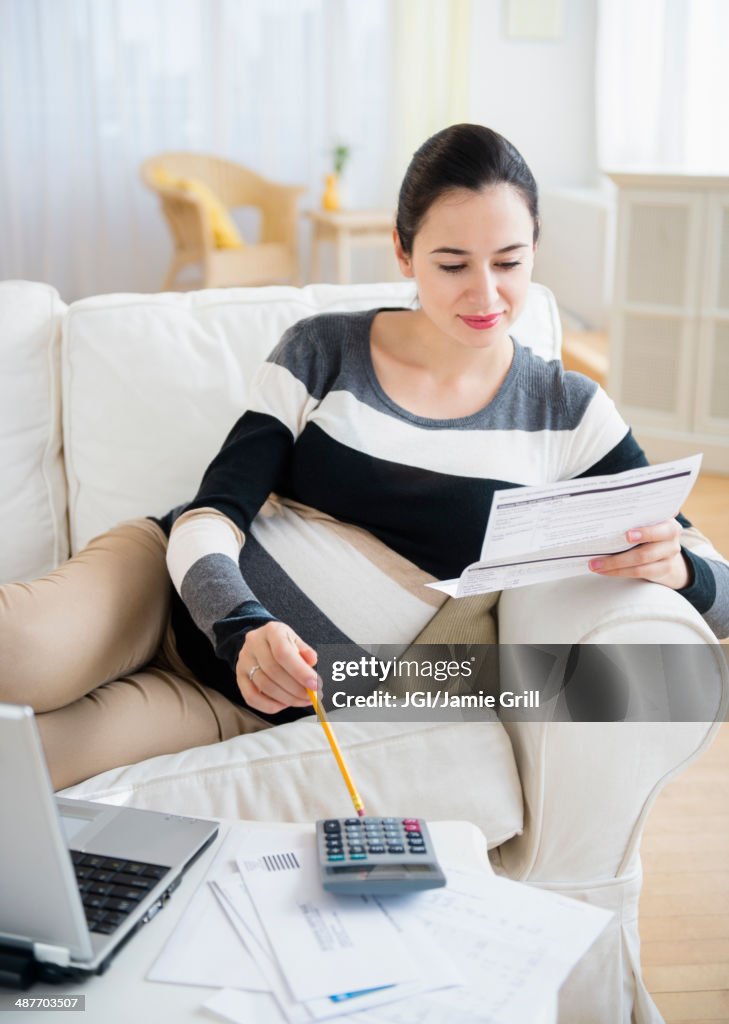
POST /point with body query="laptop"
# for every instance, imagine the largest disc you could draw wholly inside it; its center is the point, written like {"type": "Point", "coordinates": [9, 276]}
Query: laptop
{"type": "Point", "coordinates": [77, 878]}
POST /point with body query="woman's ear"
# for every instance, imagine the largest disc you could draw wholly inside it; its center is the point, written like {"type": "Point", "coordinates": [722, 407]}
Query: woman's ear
{"type": "Point", "coordinates": [404, 261]}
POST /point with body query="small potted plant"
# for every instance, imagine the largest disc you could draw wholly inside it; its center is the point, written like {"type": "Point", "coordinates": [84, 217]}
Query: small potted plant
{"type": "Point", "coordinates": [332, 196]}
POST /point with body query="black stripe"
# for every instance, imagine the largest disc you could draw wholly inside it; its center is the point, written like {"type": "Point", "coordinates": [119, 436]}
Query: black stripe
{"type": "Point", "coordinates": [231, 631]}
{"type": "Point", "coordinates": [357, 488]}
{"type": "Point", "coordinates": [248, 467]}
{"type": "Point", "coordinates": [701, 592]}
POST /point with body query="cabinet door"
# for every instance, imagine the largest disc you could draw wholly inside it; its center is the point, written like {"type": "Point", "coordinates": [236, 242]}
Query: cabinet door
{"type": "Point", "coordinates": [657, 294]}
{"type": "Point", "coordinates": [711, 414]}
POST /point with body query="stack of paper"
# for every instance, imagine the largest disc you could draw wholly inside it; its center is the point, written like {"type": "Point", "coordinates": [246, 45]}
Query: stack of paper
{"type": "Point", "coordinates": [280, 948]}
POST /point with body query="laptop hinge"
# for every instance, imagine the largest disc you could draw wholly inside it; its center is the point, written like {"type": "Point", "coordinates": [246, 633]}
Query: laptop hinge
{"type": "Point", "coordinates": [47, 954]}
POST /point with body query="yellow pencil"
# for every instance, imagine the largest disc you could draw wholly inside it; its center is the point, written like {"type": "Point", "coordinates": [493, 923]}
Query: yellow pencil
{"type": "Point", "coordinates": [356, 798]}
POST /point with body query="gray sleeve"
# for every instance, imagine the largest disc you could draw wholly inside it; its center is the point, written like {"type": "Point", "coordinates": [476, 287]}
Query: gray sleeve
{"type": "Point", "coordinates": [709, 590]}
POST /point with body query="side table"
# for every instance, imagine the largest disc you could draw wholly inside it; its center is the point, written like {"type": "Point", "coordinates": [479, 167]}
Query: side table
{"type": "Point", "coordinates": [347, 229]}
{"type": "Point", "coordinates": [122, 994]}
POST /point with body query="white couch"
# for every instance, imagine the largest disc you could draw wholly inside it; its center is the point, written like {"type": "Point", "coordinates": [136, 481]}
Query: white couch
{"type": "Point", "coordinates": [111, 408]}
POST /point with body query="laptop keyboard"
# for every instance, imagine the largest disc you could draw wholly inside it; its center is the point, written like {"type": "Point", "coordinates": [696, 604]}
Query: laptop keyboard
{"type": "Point", "coordinates": [111, 887]}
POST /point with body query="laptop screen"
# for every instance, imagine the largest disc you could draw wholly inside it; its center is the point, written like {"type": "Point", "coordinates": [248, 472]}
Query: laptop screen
{"type": "Point", "coordinates": [72, 825]}
{"type": "Point", "coordinates": [43, 903]}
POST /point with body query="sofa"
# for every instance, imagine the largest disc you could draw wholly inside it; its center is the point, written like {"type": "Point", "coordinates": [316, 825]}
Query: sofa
{"type": "Point", "coordinates": [111, 407]}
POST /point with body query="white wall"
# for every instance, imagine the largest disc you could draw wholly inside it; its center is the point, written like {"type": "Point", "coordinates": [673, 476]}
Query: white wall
{"type": "Point", "coordinates": [576, 252]}
{"type": "Point", "coordinates": [539, 94]}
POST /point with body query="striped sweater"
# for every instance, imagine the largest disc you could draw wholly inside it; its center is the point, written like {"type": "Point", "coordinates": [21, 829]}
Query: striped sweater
{"type": "Point", "coordinates": [329, 506]}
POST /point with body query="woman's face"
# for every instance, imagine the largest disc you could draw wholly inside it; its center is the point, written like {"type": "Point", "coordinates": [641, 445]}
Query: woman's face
{"type": "Point", "coordinates": [472, 260]}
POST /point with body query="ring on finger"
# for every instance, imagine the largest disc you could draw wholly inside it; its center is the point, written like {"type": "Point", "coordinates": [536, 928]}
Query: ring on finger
{"type": "Point", "coordinates": [252, 672]}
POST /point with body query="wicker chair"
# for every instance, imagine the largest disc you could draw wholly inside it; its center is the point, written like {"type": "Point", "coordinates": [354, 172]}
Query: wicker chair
{"type": "Point", "coordinates": [272, 260]}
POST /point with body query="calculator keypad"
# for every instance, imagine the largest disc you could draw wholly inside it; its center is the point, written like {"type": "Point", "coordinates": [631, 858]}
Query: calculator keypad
{"type": "Point", "coordinates": [364, 838]}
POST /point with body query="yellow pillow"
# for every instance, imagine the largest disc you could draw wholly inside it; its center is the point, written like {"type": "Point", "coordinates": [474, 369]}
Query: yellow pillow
{"type": "Point", "coordinates": [225, 233]}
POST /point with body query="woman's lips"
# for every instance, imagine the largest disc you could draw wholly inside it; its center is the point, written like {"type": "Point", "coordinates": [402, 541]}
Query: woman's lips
{"type": "Point", "coordinates": [481, 323]}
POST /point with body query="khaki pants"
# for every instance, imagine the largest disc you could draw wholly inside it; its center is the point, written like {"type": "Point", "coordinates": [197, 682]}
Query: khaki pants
{"type": "Point", "coordinates": [90, 648]}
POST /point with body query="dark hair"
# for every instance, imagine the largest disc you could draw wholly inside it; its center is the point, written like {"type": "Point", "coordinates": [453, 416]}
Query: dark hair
{"type": "Point", "coordinates": [462, 156]}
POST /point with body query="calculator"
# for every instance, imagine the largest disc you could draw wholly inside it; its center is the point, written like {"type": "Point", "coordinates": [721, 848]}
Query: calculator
{"type": "Point", "coordinates": [376, 856]}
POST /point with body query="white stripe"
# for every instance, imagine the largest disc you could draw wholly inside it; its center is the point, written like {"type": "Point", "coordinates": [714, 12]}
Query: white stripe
{"type": "Point", "coordinates": [276, 392]}
{"type": "Point", "coordinates": [698, 544]}
{"type": "Point", "coordinates": [360, 599]}
{"type": "Point", "coordinates": [520, 456]}
{"type": "Point", "coordinates": [194, 539]}
{"type": "Point", "coordinates": [601, 428]}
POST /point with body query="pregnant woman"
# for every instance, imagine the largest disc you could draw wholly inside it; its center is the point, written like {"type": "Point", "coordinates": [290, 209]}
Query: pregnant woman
{"type": "Point", "coordinates": [362, 469]}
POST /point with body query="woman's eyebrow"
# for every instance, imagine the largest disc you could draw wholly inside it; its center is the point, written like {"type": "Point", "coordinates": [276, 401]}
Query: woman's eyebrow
{"type": "Point", "coordinates": [465, 252]}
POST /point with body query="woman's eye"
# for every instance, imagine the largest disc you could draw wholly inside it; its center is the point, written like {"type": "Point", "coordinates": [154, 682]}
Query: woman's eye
{"type": "Point", "coordinates": [452, 268]}
{"type": "Point", "coordinates": [509, 266]}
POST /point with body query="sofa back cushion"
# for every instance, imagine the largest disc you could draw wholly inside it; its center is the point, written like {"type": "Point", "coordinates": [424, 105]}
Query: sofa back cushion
{"type": "Point", "coordinates": [32, 482]}
{"type": "Point", "coordinates": [440, 770]}
{"type": "Point", "coordinates": [153, 383]}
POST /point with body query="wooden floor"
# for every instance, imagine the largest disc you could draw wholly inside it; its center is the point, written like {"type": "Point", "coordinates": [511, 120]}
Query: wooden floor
{"type": "Point", "coordinates": [684, 907]}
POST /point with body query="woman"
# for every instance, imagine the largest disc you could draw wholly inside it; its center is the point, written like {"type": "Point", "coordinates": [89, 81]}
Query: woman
{"type": "Point", "coordinates": [363, 468]}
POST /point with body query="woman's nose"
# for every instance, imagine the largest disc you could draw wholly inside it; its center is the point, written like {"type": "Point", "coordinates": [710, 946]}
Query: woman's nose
{"type": "Point", "coordinates": [484, 290]}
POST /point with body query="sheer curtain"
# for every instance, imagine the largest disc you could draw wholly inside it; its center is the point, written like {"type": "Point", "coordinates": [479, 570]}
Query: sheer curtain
{"type": "Point", "coordinates": [432, 46]}
{"type": "Point", "coordinates": [88, 89]}
{"type": "Point", "coordinates": [661, 85]}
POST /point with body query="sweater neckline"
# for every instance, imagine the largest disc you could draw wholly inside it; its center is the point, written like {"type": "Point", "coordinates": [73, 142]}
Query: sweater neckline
{"type": "Point", "coordinates": [474, 418]}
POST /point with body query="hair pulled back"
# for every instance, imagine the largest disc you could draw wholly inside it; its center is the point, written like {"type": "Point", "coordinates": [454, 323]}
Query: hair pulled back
{"type": "Point", "coordinates": [461, 156]}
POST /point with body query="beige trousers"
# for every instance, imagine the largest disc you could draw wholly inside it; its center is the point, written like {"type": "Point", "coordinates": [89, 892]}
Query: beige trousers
{"type": "Point", "coordinates": [90, 648]}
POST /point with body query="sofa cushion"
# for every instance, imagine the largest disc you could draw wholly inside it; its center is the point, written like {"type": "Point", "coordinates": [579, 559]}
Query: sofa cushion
{"type": "Point", "coordinates": [153, 383]}
{"type": "Point", "coordinates": [32, 482]}
{"type": "Point", "coordinates": [463, 770]}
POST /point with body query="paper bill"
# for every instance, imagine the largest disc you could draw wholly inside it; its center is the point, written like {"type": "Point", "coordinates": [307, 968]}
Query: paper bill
{"type": "Point", "coordinates": [551, 532]}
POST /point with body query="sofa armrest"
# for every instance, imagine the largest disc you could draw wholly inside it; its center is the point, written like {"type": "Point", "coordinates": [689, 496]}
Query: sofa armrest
{"type": "Point", "coordinates": [588, 786]}
{"type": "Point", "coordinates": [599, 610]}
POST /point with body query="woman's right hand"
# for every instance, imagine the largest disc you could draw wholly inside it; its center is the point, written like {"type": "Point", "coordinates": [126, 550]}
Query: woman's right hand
{"type": "Point", "coordinates": [274, 669]}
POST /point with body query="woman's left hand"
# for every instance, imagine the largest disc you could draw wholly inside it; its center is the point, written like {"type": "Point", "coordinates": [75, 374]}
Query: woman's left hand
{"type": "Point", "coordinates": [656, 557]}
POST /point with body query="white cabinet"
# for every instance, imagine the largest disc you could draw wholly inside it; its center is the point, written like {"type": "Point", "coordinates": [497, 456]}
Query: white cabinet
{"type": "Point", "coordinates": [669, 328]}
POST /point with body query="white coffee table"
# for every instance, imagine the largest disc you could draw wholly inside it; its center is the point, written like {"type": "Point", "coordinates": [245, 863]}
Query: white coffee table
{"type": "Point", "coordinates": [123, 995]}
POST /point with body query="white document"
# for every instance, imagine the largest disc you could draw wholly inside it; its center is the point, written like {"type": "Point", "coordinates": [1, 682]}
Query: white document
{"type": "Point", "coordinates": [515, 942]}
{"type": "Point", "coordinates": [246, 1007]}
{"type": "Point", "coordinates": [234, 895]}
{"type": "Point", "coordinates": [204, 948]}
{"type": "Point", "coordinates": [552, 531]}
{"type": "Point", "coordinates": [437, 967]}
{"type": "Point", "coordinates": [324, 944]}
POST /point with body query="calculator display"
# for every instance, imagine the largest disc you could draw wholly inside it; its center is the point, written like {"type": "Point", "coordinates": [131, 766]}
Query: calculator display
{"type": "Point", "coordinates": [382, 872]}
